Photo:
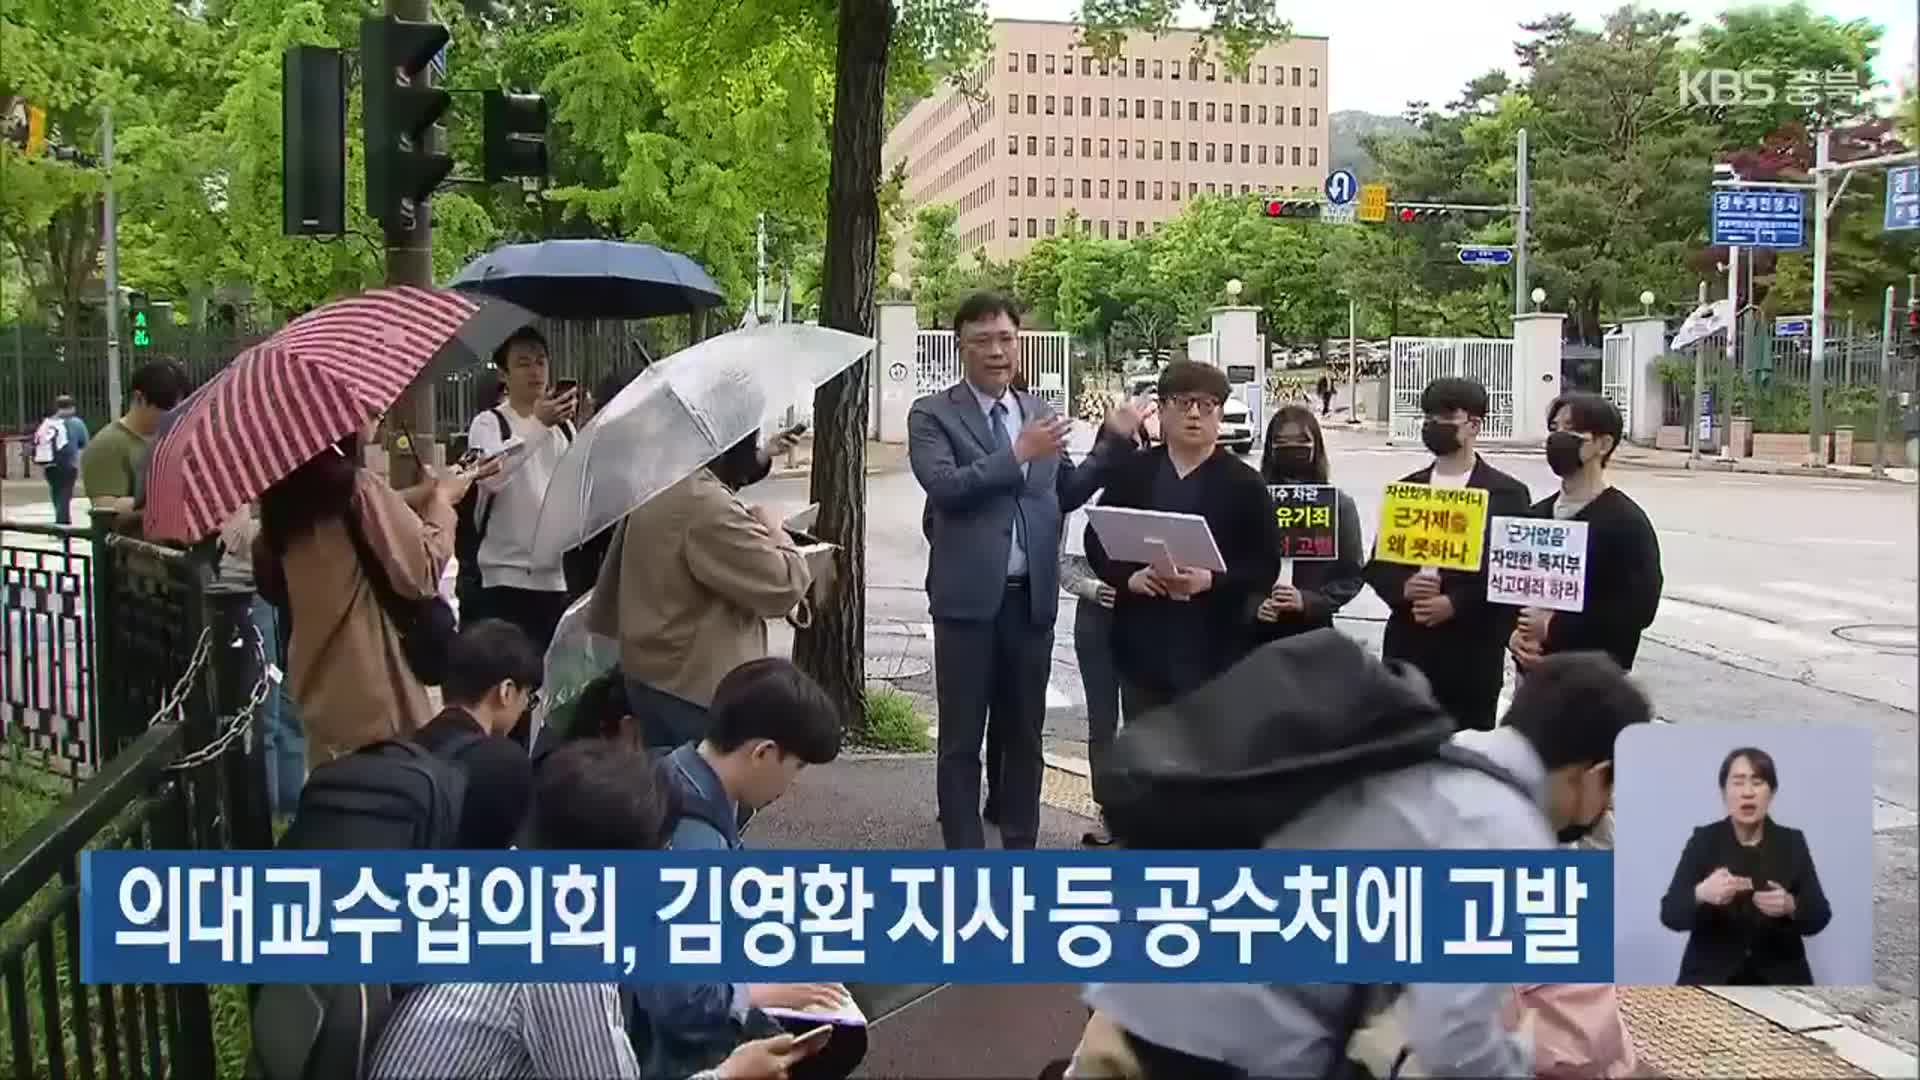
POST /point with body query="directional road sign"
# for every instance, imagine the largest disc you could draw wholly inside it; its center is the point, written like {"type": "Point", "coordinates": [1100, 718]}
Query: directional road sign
{"type": "Point", "coordinates": [1485, 255]}
{"type": "Point", "coordinates": [1342, 187]}
{"type": "Point", "coordinates": [1793, 326]}
{"type": "Point", "coordinates": [1903, 198]}
{"type": "Point", "coordinates": [1373, 202]}
{"type": "Point", "coordinates": [1754, 217]}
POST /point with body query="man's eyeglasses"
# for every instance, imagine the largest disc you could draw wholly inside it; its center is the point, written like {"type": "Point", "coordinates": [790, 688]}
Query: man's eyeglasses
{"type": "Point", "coordinates": [981, 341]}
{"type": "Point", "coordinates": [1185, 402]}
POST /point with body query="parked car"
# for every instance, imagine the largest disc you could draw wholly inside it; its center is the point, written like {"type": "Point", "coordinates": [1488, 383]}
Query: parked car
{"type": "Point", "coordinates": [1236, 420]}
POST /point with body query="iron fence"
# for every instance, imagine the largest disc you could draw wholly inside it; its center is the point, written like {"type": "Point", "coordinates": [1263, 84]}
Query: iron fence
{"type": "Point", "coordinates": [48, 717]}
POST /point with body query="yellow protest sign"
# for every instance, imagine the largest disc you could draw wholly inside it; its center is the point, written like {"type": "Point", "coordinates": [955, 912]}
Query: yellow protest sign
{"type": "Point", "coordinates": [1422, 525]}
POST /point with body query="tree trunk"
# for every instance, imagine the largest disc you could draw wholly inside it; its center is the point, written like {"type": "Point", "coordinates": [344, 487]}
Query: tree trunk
{"type": "Point", "coordinates": [833, 649]}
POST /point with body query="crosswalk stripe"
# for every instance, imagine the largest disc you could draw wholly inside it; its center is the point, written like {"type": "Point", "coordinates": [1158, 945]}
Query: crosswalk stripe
{"type": "Point", "coordinates": [1761, 606]}
{"type": "Point", "coordinates": [1719, 619]}
{"type": "Point", "coordinates": [1056, 698]}
{"type": "Point", "coordinates": [1846, 596]}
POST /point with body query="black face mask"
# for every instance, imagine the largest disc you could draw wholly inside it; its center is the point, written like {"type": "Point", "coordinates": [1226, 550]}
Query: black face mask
{"type": "Point", "coordinates": [1563, 453]}
{"type": "Point", "coordinates": [1291, 461]}
{"type": "Point", "coordinates": [1441, 439]}
{"type": "Point", "coordinates": [1573, 834]}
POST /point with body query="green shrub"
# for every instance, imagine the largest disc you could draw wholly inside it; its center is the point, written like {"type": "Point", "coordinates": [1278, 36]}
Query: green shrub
{"type": "Point", "coordinates": [893, 723]}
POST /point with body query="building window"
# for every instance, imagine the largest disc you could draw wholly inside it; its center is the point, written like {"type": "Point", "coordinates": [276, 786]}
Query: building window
{"type": "Point", "coordinates": [1106, 147]}
{"type": "Point", "coordinates": [1159, 191]}
{"type": "Point", "coordinates": [1123, 148]}
{"type": "Point", "coordinates": [1067, 150]}
{"type": "Point", "coordinates": [1086, 65]}
{"type": "Point", "coordinates": [1049, 187]}
{"type": "Point", "coordinates": [1033, 227]}
{"type": "Point", "coordinates": [1013, 185]}
{"type": "Point", "coordinates": [1193, 112]}
{"type": "Point", "coordinates": [1140, 190]}
{"type": "Point", "coordinates": [1245, 112]}
{"type": "Point", "coordinates": [1013, 226]}
{"type": "Point", "coordinates": [1313, 155]}
{"type": "Point", "coordinates": [1263, 114]}
{"type": "Point", "coordinates": [1193, 70]}
{"type": "Point", "coordinates": [1105, 68]}
{"type": "Point", "coordinates": [1013, 145]}
{"type": "Point", "coordinates": [1123, 108]}
{"type": "Point", "coordinates": [1193, 189]}
{"type": "Point", "coordinates": [1066, 65]}
{"type": "Point", "coordinates": [1086, 146]}
{"type": "Point", "coordinates": [1245, 189]}
{"type": "Point", "coordinates": [1140, 149]}
{"type": "Point", "coordinates": [1033, 64]}
{"type": "Point", "coordinates": [1049, 63]}
{"type": "Point", "coordinates": [1313, 117]}
{"type": "Point", "coordinates": [1033, 146]}
{"type": "Point", "coordinates": [1210, 113]}
{"type": "Point", "coordinates": [1067, 104]}
{"type": "Point", "coordinates": [1159, 109]}
{"type": "Point", "coordinates": [1139, 68]}
{"type": "Point", "coordinates": [1296, 155]}
{"type": "Point", "coordinates": [1263, 153]}
{"type": "Point", "coordinates": [1209, 151]}
{"type": "Point", "coordinates": [1176, 190]}
{"type": "Point", "coordinates": [1013, 63]}
{"type": "Point", "coordinates": [1193, 151]}
{"type": "Point", "coordinates": [1296, 76]}
{"type": "Point", "coordinates": [1313, 76]}
{"type": "Point", "coordinates": [1246, 154]}
{"type": "Point", "coordinates": [1296, 116]}
{"type": "Point", "coordinates": [1106, 189]}
{"type": "Point", "coordinates": [1103, 228]}
{"type": "Point", "coordinates": [1140, 108]}
{"type": "Point", "coordinates": [1033, 105]}
{"type": "Point", "coordinates": [1123, 189]}
{"type": "Point", "coordinates": [1159, 69]}
{"type": "Point", "coordinates": [1013, 104]}
{"type": "Point", "coordinates": [1086, 105]}
{"type": "Point", "coordinates": [1159, 149]}
{"type": "Point", "coordinates": [1263, 74]}
{"type": "Point", "coordinates": [1210, 72]}
{"type": "Point", "coordinates": [1050, 100]}
{"type": "Point", "coordinates": [1049, 226]}
{"type": "Point", "coordinates": [1086, 188]}
{"type": "Point", "coordinates": [1105, 104]}
{"type": "Point", "coordinates": [1140, 228]}
{"type": "Point", "coordinates": [1176, 150]}
{"type": "Point", "coordinates": [1212, 190]}
{"type": "Point", "coordinates": [1033, 186]}
{"type": "Point", "coordinates": [1049, 146]}
{"type": "Point", "coordinates": [1175, 73]}
{"type": "Point", "coordinates": [1123, 230]}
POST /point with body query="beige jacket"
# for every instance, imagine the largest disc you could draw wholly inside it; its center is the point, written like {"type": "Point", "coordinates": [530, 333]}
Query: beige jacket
{"type": "Point", "coordinates": [347, 673]}
{"type": "Point", "coordinates": [696, 579]}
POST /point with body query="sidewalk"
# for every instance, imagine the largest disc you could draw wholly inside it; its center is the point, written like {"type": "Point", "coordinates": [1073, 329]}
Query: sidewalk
{"type": "Point", "coordinates": [1643, 457]}
{"type": "Point", "coordinates": [880, 802]}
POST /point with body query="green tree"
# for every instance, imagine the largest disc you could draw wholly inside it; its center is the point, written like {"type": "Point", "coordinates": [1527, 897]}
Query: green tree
{"type": "Point", "coordinates": [936, 277]}
{"type": "Point", "coordinates": [1784, 41]}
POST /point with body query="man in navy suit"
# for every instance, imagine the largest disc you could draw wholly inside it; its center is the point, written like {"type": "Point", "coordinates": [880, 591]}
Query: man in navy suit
{"type": "Point", "coordinates": [998, 483]}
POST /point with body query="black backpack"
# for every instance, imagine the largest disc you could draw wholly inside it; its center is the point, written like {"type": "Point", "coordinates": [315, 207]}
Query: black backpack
{"type": "Point", "coordinates": [1292, 722]}
{"type": "Point", "coordinates": [393, 795]}
{"type": "Point", "coordinates": [426, 625]}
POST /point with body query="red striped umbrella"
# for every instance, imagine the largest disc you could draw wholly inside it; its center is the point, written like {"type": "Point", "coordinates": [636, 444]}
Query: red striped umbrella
{"type": "Point", "coordinates": [318, 380]}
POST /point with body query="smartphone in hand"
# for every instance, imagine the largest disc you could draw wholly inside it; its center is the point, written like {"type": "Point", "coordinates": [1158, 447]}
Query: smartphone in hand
{"type": "Point", "coordinates": [812, 1041]}
{"type": "Point", "coordinates": [565, 387]}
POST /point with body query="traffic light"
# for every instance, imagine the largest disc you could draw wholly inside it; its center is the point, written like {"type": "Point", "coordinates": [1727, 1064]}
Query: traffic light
{"type": "Point", "coordinates": [139, 317]}
{"type": "Point", "coordinates": [1415, 216]}
{"type": "Point", "coordinates": [313, 136]}
{"type": "Point", "coordinates": [403, 164]}
{"type": "Point", "coordinates": [1293, 208]}
{"type": "Point", "coordinates": [516, 135]}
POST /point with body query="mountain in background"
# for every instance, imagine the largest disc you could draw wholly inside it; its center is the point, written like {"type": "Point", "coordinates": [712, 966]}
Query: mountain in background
{"type": "Point", "coordinates": [1344, 134]}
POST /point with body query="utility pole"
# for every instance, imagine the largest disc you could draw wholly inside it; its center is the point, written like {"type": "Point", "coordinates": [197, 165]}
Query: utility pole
{"type": "Point", "coordinates": [109, 228]}
{"type": "Point", "coordinates": [1524, 208]}
{"type": "Point", "coordinates": [1699, 391]}
{"type": "Point", "coordinates": [1353, 366]}
{"type": "Point", "coordinates": [1886, 384]}
{"type": "Point", "coordinates": [1816, 375]}
{"type": "Point", "coordinates": [409, 248]}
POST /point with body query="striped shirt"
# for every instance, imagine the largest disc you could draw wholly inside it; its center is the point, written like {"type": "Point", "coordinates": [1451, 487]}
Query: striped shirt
{"type": "Point", "coordinates": [508, 1031]}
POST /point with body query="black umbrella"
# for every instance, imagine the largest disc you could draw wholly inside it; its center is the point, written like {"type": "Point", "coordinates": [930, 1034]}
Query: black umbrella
{"type": "Point", "coordinates": [592, 279]}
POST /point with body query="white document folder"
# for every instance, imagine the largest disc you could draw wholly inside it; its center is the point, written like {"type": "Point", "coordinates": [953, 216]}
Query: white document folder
{"type": "Point", "coordinates": [1148, 536]}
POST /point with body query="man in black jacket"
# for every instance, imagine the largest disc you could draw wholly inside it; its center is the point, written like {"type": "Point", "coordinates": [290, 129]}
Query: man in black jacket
{"type": "Point", "coordinates": [493, 678]}
{"type": "Point", "coordinates": [1624, 579]}
{"type": "Point", "coordinates": [1173, 631]}
{"type": "Point", "coordinates": [1441, 622]}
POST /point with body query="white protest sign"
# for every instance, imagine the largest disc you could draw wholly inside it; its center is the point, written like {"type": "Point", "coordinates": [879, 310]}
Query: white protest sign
{"type": "Point", "coordinates": [1537, 562]}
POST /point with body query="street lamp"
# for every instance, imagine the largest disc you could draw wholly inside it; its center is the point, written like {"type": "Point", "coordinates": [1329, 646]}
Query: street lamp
{"type": "Point", "coordinates": [1539, 297]}
{"type": "Point", "coordinates": [1233, 288]}
{"type": "Point", "coordinates": [1646, 301]}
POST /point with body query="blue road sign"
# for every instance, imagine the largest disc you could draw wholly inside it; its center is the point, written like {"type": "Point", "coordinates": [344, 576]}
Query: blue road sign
{"type": "Point", "coordinates": [1903, 198]}
{"type": "Point", "coordinates": [1342, 187]}
{"type": "Point", "coordinates": [1485, 255]}
{"type": "Point", "coordinates": [1796, 327]}
{"type": "Point", "coordinates": [1769, 218]}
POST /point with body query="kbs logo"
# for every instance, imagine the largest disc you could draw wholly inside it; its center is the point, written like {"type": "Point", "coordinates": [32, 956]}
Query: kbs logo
{"type": "Point", "coordinates": [1761, 87]}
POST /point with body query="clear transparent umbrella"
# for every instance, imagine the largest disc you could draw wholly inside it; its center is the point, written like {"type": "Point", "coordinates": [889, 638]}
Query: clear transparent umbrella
{"type": "Point", "coordinates": [680, 414]}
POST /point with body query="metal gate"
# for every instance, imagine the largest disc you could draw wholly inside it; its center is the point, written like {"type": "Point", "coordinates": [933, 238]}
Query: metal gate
{"type": "Point", "coordinates": [1045, 356]}
{"type": "Point", "coordinates": [1417, 361]}
{"type": "Point", "coordinates": [1616, 373]}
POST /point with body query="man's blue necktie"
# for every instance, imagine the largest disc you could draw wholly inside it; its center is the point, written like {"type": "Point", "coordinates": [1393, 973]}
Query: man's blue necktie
{"type": "Point", "coordinates": [1002, 441]}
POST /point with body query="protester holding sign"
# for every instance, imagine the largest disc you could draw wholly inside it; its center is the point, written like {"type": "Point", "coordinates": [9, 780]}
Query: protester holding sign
{"type": "Point", "coordinates": [1441, 622]}
{"type": "Point", "coordinates": [1623, 575]}
{"type": "Point", "coordinates": [1320, 554]}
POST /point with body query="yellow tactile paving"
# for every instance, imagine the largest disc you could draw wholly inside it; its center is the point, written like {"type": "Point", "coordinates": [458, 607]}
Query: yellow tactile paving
{"type": "Point", "coordinates": [1679, 1032]}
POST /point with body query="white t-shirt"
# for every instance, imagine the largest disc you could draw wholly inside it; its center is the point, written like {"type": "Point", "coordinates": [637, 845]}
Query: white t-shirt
{"type": "Point", "coordinates": [514, 497]}
{"type": "Point", "coordinates": [1449, 480]}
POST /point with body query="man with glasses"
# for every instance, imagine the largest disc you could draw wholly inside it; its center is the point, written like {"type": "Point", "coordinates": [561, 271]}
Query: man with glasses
{"type": "Point", "coordinates": [492, 682]}
{"type": "Point", "coordinates": [1174, 627]}
{"type": "Point", "coordinates": [1441, 622]}
{"type": "Point", "coordinates": [992, 462]}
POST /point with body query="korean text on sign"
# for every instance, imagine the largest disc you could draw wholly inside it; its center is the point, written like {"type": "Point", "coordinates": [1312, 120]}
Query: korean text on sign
{"type": "Point", "coordinates": [1536, 562]}
{"type": "Point", "coordinates": [1309, 519]}
{"type": "Point", "coordinates": [639, 917]}
{"type": "Point", "coordinates": [1422, 525]}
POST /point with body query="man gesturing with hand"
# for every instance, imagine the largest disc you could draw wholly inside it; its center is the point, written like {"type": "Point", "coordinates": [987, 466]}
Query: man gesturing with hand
{"type": "Point", "coordinates": [992, 461]}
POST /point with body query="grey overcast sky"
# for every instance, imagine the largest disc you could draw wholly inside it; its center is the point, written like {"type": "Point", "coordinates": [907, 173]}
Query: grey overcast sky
{"type": "Point", "coordinates": [1385, 53]}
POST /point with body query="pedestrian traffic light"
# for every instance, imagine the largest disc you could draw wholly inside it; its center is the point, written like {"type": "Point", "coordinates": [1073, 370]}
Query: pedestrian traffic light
{"type": "Point", "coordinates": [401, 109]}
{"type": "Point", "coordinates": [313, 135]}
{"type": "Point", "coordinates": [515, 143]}
{"type": "Point", "coordinates": [1293, 208]}
{"type": "Point", "coordinates": [139, 318]}
{"type": "Point", "coordinates": [1416, 215]}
